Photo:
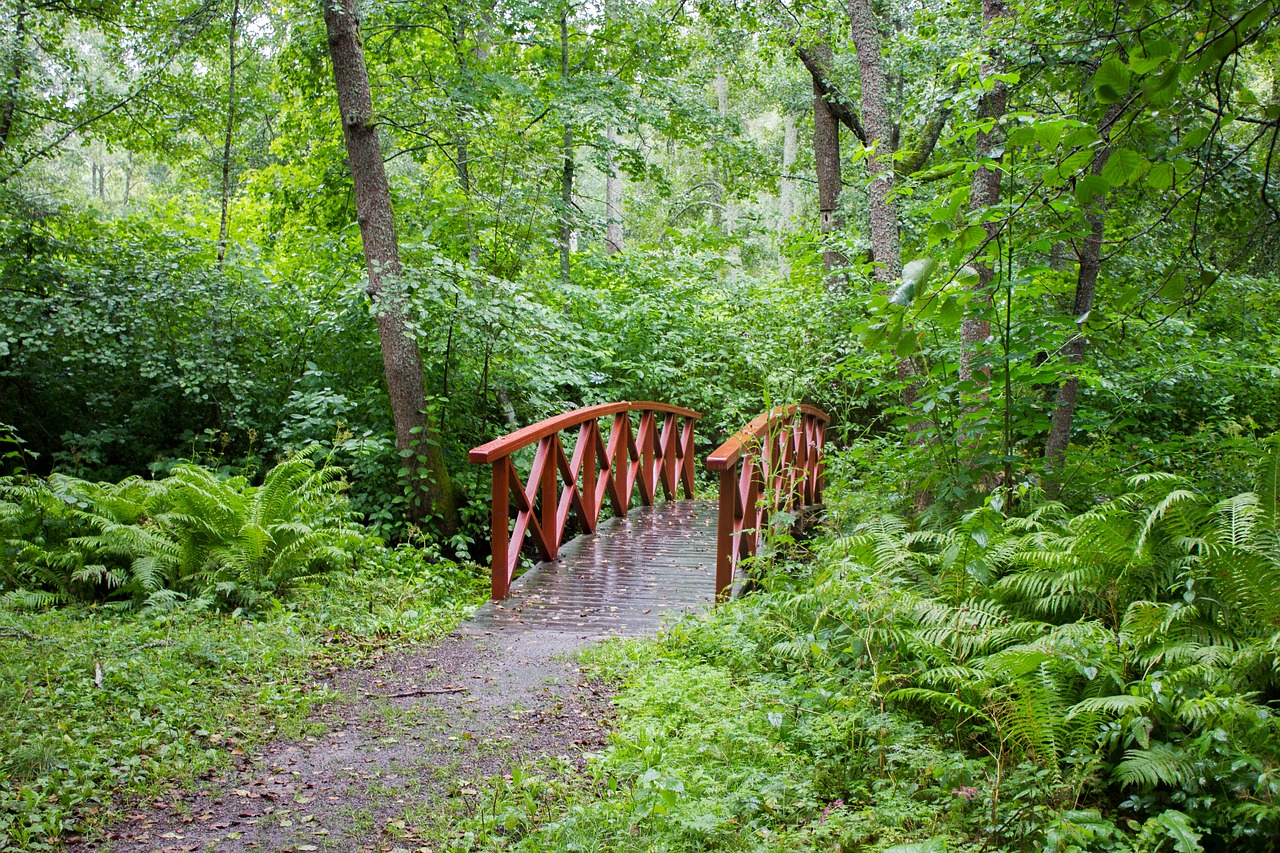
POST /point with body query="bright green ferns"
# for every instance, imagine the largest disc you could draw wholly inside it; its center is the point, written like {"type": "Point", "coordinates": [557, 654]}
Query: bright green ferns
{"type": "Point", "coordinates": [194, 535]}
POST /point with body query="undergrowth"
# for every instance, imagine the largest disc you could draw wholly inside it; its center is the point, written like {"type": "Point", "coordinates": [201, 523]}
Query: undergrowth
{"type": "Point", "coordinates": [1101, 681]}
{"type": "Point", "coordinates": [100, 707]}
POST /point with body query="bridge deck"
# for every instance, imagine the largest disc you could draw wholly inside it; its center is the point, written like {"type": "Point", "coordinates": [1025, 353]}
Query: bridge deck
{"type": "Point", "coordinates": [658, 561]}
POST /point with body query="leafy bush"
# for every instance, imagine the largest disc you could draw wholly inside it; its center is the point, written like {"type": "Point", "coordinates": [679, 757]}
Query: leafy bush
{"type": "Point", "coordinates": [194, 535]}
{"type": "Point", "coordinates": [1096, 681]}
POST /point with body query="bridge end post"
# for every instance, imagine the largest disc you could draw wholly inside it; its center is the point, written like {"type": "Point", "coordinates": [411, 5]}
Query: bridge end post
{"type": "Point", "coordinates": [724, 533]}
{"type": "Point", "coordinates": [499, 570]}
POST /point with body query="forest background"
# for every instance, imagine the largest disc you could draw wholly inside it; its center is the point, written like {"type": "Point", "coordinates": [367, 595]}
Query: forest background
{"type": "Point", "coordinates": [1022, 252]}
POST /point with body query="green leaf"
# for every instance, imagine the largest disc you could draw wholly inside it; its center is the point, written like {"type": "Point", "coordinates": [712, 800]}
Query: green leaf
{"type": "Point", "coordinates": [1090, 186]}
{"type": "Point", "coordinates": [1111, 82]}
{"type": "Point", "coordinates": [1160, 89]}
{"type": "Point", "coordinates": [1123, 167]}
{"type": "Point", "coordinates": [915, 276]}
{"type": "Point", "coordinates": [1150, 56]}
{"type": "Point", "coordinates": [1177, 827]}
{"type": "Point", "coordinates": [1160, 177]}
{"type": "Point", "coordinates": [951, 312]}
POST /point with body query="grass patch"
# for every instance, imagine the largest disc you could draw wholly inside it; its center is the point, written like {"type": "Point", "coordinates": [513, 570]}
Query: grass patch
{"type": "Point", "coordinates": [99, 708]}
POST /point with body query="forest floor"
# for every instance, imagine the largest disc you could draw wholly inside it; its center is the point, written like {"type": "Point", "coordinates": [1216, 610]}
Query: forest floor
{"type": "Point", "coordinates": [410, 742]}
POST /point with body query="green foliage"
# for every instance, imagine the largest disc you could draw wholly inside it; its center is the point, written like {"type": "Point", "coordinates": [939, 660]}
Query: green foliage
{"type": "Point", "coordinates": [1094, 681]}
{"type": "Point", "coordinates": [97, 707]}
{"type": "Point", "coordinates": [214, 540]}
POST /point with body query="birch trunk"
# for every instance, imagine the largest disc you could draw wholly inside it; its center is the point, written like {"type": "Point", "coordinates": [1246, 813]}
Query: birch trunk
{"type": "Point", "coordinates": [787, 185]}
{"type": "Point", "coordinates": [566, 170]}
{"type": "Point", "coordinates": [612, 198]}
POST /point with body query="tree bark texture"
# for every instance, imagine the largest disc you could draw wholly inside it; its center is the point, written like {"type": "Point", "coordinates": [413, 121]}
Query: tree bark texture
{"type": "Point", "coordinates": [984, 193]}
{"type": "Point", "coordinates": [228, 136]}
{"type": "Point", "coordinates": [1090, 255]}
{"type": "Point", "coordinates": [879, 128]}
{"type": "Point", "coordinates": [826, 157]}
{"type": "Point", "coordinates": [431, 489]}
{"type": "Point", "coordinates": [818, 64]}
{"type": "Point", "coordinates": [787, 184]}
{"type": "Point", "coordinates": [566, 170]}
{"type": "Point", "coordinates": [9, 107]}
{"type": "Point", "coordinates": [721, 84]}
{"type": "Point", "coordinates": [612, 198]}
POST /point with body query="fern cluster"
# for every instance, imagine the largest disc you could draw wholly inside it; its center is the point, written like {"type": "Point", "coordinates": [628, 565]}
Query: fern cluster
{"type": "Point", "coordinates": [1129, 654]}
{"type": "Point", "coordinates": [194, 536]}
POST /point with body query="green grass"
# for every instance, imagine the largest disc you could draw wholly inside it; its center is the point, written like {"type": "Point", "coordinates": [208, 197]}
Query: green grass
{"type": "Point", "coordinates": [99, 708]}
{"type": "Point", "coordinates": [719, 750]}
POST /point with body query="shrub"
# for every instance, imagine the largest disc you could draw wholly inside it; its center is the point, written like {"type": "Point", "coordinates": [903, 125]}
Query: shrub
{"type": "Point", "coordinates": [217, 541]}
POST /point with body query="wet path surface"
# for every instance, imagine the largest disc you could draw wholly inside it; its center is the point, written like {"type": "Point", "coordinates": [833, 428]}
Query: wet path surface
{"type": "Point", "coordinates": [657, 562]}
{"type": "Point", "coordinates": [418, 732]}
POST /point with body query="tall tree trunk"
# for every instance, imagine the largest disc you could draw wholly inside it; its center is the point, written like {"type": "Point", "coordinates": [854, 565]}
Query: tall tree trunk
{"type": "Point", "coordinates": [128, 183]}
{"type": "Point", "coordinates": [432, 490]}
{"type": "Point", "coordinates": [612, 198]}
{"type": "Point", "coordinates": [1090, 255]}
{"type": "Point", "coordinates": [984, 193]}
{"type": "Point", "coordinates": [726, 209]}
{"type": "Point", "coordinates": [879, 129]}
{"type": "Point", "coordinates": [826, 157]}
{"type": "Point", "coordinates": [787, 184]}
{"type": "Point", "coordinates": [566, 171]}
{"type": "Point", "coordinates": [229, 133]}
{"type": "Point", "coordinates": [9, 106]}
{"type": "Point", "coordinates": [462, 143]}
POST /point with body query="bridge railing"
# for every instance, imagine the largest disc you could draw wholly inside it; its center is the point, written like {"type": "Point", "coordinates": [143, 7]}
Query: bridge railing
{"type": "Point", "coordinates": [657, 455]}
{"type": "Point", "coordinates": [772, 464]}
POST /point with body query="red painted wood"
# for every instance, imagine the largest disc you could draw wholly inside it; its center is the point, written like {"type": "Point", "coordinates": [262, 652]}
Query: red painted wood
{"type": "Point", "coordinates": [559, 485]}
{"type": "Point", "coordinates": [773, 464]}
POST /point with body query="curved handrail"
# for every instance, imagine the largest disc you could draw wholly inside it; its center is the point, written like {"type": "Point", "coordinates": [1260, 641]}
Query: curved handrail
{"type": "Point", "coordinates": [773, 463]}
{"type": "Point", "coordinates": [728, 454]}
{"type": "Point", "coordinates": [652, 456]}
{"type": "Point", "coordinates": [523, 437]}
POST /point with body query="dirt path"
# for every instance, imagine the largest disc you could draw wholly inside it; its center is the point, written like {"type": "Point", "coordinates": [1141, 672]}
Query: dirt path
{"type": "Point", "coordinates": [421, 730]}
{"type": "Point", "coordinates": [381, 766]}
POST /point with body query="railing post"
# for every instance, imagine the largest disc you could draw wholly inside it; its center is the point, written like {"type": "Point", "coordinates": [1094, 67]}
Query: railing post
{"type": "Point", "coordinates": [645, 440]}
{"type": "Point", "coordinates": [587, 441]}
{"type": "Point", "coordinates": [725, 543]}
{"type": "Point", "coordinates": [550, 535]}
{"type": "Point", "coordinates": [500, 571]}
{"type": "Point", "coordinates": [687, 454]}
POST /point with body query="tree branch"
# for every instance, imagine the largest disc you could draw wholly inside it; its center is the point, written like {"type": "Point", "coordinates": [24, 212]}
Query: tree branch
{"type": "Point", "coordinates": [832, 95]}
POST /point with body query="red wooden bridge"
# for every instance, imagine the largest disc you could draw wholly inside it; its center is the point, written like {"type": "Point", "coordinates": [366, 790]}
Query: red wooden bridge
{"type": "Point", "coordinates": [627, 568]}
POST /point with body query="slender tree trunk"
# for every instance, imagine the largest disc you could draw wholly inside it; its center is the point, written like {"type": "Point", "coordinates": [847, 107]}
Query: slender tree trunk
{"type": "Point", "coordinates": [826, 157]}
{"type": "Point", "coordinates": [879, 129]}
{"type": "Point", "coordinates": [726, 210]}
{"type": "Point", "coordinates": [612, 198]}
{"type": "Point", "coordinates": [9, 107]}
{"type": "Point", "coordinates": [787, 184]}
{"type": "Point", "coordinates": [128, 183]}
{"type": "Point", "coordinates": [432, 490]}
{"type": "Point", "coordinates": [1090, 256]}
{"type": "Point", "coordinates": [984, 193]}
{"type": "Point", "coordinates": [566, 171]}
{"type": "Point", "coordinates": [462, 143]}
{"type": "Point", "coordinates": [229, 133]}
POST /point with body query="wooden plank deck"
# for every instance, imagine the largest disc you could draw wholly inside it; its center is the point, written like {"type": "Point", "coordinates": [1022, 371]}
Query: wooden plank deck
{"type": "Point", "coordinates": [658, 562]}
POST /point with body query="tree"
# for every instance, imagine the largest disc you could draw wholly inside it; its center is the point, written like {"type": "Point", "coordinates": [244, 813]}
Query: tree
{"type": "Point", "coordinates": [432, 489]}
